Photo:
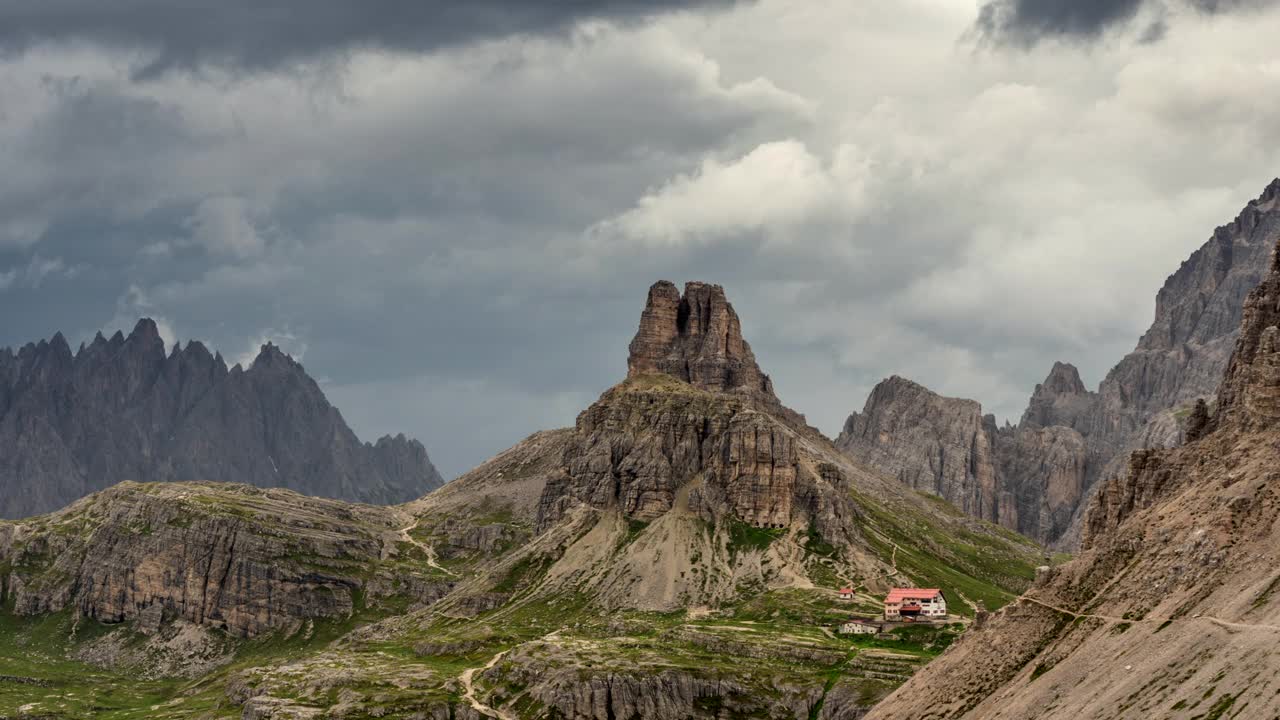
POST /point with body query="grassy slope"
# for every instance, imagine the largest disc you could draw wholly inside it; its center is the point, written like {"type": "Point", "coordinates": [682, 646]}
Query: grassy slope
{"type": "Point", "coordinates": [970, 562]}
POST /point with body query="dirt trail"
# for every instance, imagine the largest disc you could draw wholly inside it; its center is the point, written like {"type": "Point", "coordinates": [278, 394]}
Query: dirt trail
{"type": "Point", "coordinates": [1109, 618]}
{"type": "Point", "coordinates": [468, 683]}
{"type": "Point", "coordinates": [467, 678]}
{"type": "Point", "coordinates": [429, 551]}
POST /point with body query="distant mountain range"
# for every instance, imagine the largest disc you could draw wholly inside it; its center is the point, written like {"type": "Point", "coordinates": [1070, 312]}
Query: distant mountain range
{"type": "Point", "coordinates": [73, 423]}
{"type": "Point", "coordinates": [1038, 477]}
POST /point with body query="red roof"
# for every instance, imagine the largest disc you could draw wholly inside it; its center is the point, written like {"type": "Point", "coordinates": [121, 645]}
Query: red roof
{"type": "Point", "coordinates": [846, 591]}
{"type": "Point", "coordinates": [898, 595]}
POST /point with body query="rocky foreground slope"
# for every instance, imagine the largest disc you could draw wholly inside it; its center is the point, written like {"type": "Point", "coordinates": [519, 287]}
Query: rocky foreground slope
{"type": "Point", "coordinates": [676, 554]}
{"type": "Point", "coordinates": [1172, 610]}
{"type": "Point", "coordinates": [72, 423]}
{"type": "Point", "coordinates": [1038, 477]}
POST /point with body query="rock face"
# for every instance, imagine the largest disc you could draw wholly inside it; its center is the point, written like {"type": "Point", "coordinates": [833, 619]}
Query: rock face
{"type": "Point", "coordinates": [696, 338]}
{"type": "Point", "coordinates": [642, 443]}
{"type": "Point", "coordinates": [1028, 479]}
{"type": "Point", "coordinates": [123, 409]}
{"type": "Point", "coordinates": [929, 442]}
{"type": "Point", "coordinates": [1172, 607]}
{"type": "Point", "coordinates": [1069, 439]}
{"type": "Point", "coordinates": [229, 557]}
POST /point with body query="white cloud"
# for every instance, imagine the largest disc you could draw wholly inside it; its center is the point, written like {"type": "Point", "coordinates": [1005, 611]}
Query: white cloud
{"type": "Point", "coordinates": [34, 274]}
{"type": "Point", "coordinates": [222, 226]}
{"type": "Point", "coordinates": [778, 187]}
{"type": "Point", "coordinates": [289, 342]}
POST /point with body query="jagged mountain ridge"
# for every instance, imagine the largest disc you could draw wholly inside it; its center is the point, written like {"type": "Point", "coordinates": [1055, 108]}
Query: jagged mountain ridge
{"type": "Point", "coordinates": [1037, 478]}
{"type": "Point", "coordinates": [1172, 608]}
{"type": "Point", "coordinates": [124, 409]}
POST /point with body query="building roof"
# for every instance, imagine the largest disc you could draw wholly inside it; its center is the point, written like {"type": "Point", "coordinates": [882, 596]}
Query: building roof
{"type": "Point", "coordinates": [898, 595]}
{"type": "Point", "coordinates": [846, 591]}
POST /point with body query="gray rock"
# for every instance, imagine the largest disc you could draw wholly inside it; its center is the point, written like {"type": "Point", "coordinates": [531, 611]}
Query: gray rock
{"type": "Point", "coordinates": [121, 409]}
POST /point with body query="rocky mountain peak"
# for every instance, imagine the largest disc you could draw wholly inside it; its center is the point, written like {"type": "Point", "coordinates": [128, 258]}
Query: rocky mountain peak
{"type": "Point", "coordinates": [59, 345]}
{"type": "Point", "coordinates": [1270, 197]}
{"type": "Point", "coordinates": [695, 337]}
{"type": "Point", "coordinates": [1062, 399]}
{"type": "Point", "coordinates": [270, 355]}
{"type": "Point", "coordinates": [1064, 379]}
{"type": "Point", "coordinates": [935, 444]}
{"type": "Point", "coordinates": [146, 333]}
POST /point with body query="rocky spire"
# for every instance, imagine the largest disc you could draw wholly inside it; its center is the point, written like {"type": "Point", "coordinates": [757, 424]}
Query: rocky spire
{"type": "Point", "coordinates": [697, 338]}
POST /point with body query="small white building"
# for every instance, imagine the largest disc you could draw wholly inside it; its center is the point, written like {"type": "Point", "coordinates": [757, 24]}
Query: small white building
{"type": "Point", "coordinates": [859, 627]}
{"type": "Point", "coordinates": [846, 593]}
{"type": "Point", "coordinates": [912, 603]}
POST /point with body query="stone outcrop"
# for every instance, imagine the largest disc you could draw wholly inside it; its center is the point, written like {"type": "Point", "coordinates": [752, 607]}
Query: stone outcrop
{"type": "Point", "coordinates": [122, 409]}
{"type": "Point", "coordinates": [230, 557]}
{"type": "Point", "coordinates": [1170, 609]}
{"type": "Point", "coordinates": [1070, 438]}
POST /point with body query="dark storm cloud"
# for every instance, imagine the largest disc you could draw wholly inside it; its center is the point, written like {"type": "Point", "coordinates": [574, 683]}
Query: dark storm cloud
{"type": "Point", "coordinates": [258, 34]}
{"type": "Point", "coordinates": [1026, 22]}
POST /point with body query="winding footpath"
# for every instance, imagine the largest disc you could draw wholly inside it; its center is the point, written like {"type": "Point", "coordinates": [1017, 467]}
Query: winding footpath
{"type": "Point", "coordinates": [468, 683]}
{"type": "Point", "coordinates": [1205, 618]}
{"type": "Point", "coordinates": [427, 550]}
{"type": "Point", "coordinates": [468, 678]}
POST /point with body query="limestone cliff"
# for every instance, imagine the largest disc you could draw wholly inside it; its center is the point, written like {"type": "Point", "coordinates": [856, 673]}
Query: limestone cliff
{"type": "Point", "coordinates": [122, 409]}
{"type": "Point", "coordinates": [1172, 609]}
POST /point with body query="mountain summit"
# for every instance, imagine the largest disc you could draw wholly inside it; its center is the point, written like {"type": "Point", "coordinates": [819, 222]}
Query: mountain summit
{"type": "Point", "coordinates": [121, 409]}
{"type": "Point", "coordinates": [696, 338]}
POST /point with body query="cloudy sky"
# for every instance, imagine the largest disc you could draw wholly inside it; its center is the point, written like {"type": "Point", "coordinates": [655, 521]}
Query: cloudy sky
{"type": "Point", "coordinates": [451, 211]}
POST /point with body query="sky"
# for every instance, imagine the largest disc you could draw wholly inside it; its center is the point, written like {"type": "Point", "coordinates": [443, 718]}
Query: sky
{"type": "Point", "coordinates": [451, 212]}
